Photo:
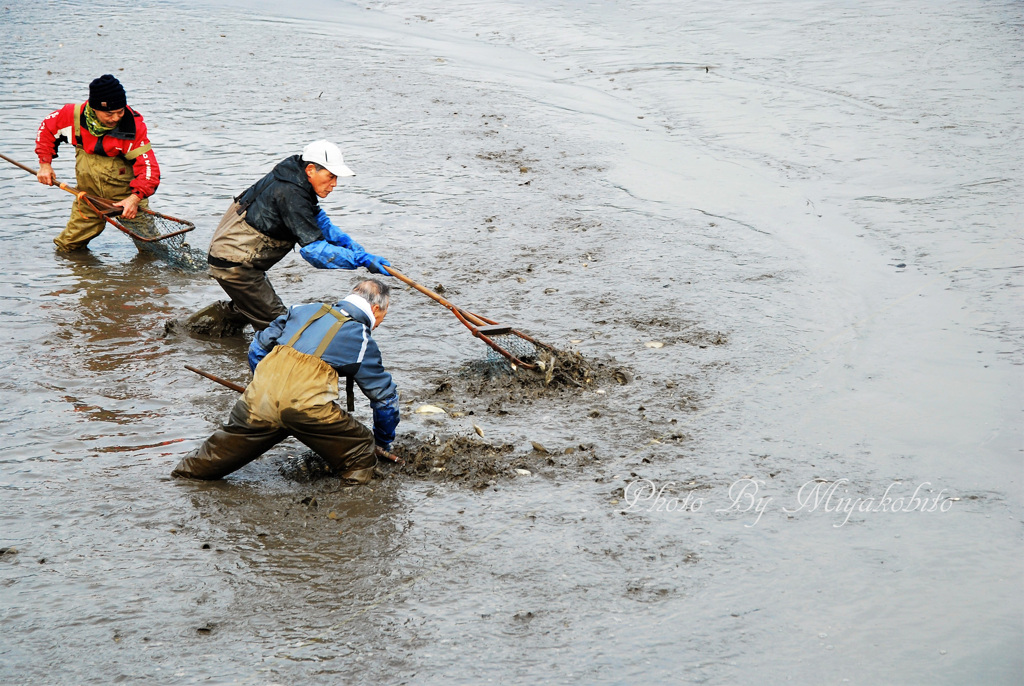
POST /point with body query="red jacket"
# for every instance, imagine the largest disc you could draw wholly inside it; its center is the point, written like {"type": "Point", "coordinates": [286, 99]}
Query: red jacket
{"type": "Point", "coordinates": [128, 139]}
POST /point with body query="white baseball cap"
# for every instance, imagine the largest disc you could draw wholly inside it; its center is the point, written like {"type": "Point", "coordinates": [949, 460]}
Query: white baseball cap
{"type": "Point", "coordinates": [327, 154]}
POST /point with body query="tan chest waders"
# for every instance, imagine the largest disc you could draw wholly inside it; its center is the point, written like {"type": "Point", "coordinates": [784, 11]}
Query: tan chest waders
{"type": "Point", "coordinates": [326, 341]}
{"type": "Point", "coordinates": [237, 242]}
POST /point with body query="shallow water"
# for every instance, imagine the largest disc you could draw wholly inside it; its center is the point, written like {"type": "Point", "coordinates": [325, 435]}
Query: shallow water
{"type": "Point", "coordinates": [814, 206]}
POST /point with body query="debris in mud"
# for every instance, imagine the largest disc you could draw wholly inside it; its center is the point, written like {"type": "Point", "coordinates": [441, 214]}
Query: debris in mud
{"type": "Point", "coordinates": [464, 460]}
{"type": "Point", "coordinates": [646, 590]}
{"type": "Point", "coordinates": [477, 463]}
{"type": "Point", "coordinates": [558, 372]}
{"type": "Point", "coordinates": [8, 551]}
{"type": "Point", "coordinates": [672, 331]}
{"type": "Point", "coordinates": [514, 159]}
{"type": "Point", "coordinates": [575, 224]}
{"type": "Point", "coordinates": [305, 468]}
{"type": "Point", "coordinates": [458, 458]}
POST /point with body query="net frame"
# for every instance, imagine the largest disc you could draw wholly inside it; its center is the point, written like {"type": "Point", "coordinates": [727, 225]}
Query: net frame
{"type": "Point", "coordinates": [515, 346]}
{"type": "Point", "coordinates": [165, 225]}
{"type": "Point", "coordinates": [487, 330]}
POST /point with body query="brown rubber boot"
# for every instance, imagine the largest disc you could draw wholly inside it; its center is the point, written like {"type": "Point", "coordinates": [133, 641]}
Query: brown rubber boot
{"type": "Point", "coordinates": [217, 320]}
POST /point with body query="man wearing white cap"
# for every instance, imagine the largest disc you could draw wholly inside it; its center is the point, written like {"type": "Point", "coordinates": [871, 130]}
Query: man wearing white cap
{"type": "Point", "coordinates": [263, 224]}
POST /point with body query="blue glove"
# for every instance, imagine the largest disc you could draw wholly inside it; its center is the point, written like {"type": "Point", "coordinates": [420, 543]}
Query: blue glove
{"type": "Point", "coordinates": [256, 353]}
{"type": "Point", "coordinates": [386, 416]}
{"type": "Point", "coordinates": [376, 264]}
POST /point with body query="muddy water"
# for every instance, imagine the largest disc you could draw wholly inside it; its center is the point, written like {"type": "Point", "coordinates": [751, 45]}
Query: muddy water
{"type": "Point", "coordinates": [814, 208]}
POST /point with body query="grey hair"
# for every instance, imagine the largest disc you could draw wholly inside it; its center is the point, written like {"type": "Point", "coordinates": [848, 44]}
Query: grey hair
{"type": "Point", "coordinates": [374, 292]}
{"type": "Point", "coordinates": [316, 165]}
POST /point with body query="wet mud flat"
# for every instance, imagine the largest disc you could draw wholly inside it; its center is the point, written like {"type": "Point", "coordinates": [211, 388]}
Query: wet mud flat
{"type": "Point", "coordinates": [758, 231]}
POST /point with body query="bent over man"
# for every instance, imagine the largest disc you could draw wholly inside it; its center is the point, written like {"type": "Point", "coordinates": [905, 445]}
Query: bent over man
{"type": "Point", "coordinates": [297, 362]}
{"type": "Point", "coordinates": [113, 158]}
{"type": "Point", "coordinates": [265, 222]}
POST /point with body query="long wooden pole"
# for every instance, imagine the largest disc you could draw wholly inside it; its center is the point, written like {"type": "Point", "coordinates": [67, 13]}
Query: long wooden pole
{"type": "Point", "coordinates": [213, 377]}
{"type": "Point", "coordinates": [108, 207]}
{"type": "Point", "coordinates": [478, 321]}
{"type": "Point", "coordinates": [481, 327]}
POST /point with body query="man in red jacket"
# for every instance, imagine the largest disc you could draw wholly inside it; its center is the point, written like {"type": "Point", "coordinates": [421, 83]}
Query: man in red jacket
{"type": "Point", "coordinates": [113, 158]}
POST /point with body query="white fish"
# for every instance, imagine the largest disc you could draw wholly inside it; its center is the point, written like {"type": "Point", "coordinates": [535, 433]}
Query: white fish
{"type": "Point", "coordinates": [429, 409]}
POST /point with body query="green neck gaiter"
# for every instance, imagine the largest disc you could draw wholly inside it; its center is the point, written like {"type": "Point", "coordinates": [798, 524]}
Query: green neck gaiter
{"type": "Point", "coordinates": [93, 124]}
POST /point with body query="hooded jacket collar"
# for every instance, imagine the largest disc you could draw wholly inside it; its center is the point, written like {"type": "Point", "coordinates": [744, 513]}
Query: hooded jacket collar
{"type": "Point", "coordinates": [356, 307]}
{"type": "Point", "coordinates": [292, 170]}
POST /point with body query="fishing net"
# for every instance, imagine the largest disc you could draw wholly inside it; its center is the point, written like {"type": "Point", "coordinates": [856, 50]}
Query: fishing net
{"type": "Point", "coordinates": [507, 347]}
{"type": "Point", "coordinates": [164, 238]}
{"type": "Point", "coordinates": [157, 234]}
{"type": "Point", "coordinates": [548, 368]}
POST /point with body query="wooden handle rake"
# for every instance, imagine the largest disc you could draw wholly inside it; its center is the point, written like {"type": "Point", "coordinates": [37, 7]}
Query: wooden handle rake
{"type": "Point", "coordinates": [487, 330]}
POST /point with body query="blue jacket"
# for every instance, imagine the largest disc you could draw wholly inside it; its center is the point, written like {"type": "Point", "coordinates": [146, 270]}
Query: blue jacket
{"type": "Point", "coordinates": [352, 353]}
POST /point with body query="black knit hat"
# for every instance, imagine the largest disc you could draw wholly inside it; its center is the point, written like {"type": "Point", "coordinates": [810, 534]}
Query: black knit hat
{"type": "Point", "coordinates": [107, 94]}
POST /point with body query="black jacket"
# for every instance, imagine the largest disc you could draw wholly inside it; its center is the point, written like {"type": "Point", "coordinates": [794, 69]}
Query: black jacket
{"type": "Point", "coordinates": [283, 205]}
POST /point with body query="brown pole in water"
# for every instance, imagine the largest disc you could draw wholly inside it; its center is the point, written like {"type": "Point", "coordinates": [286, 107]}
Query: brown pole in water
{"type": "Point", "coordinates": [16, 163]}
{"type": "Point", "coordinates": [213, 377]}
{"type": "Point", "coordinates": [380, 452]}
